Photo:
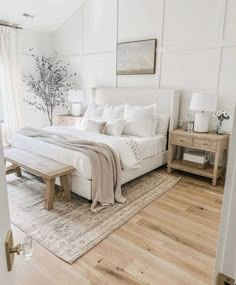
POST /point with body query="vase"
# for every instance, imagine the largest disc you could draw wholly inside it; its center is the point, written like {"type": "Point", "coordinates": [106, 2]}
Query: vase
{"type": "Point", "coordinates": [220, 128]}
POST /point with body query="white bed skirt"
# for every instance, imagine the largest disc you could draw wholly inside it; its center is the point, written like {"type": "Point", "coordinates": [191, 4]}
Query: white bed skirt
{"type": "Point", "coordinates": [83, 187]}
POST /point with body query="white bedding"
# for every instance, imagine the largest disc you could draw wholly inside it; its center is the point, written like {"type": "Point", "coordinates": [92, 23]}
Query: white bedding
{"type": "Point", "coordinates": [148, 147]}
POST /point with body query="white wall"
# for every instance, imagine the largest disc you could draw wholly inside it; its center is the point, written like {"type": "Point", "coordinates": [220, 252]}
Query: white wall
{"type": "Point", "coordinates": [42, 44]}
{"type": "Point", "coordinates": [88, 42]}
{"type": "Point", "coordinates": [196, 45]}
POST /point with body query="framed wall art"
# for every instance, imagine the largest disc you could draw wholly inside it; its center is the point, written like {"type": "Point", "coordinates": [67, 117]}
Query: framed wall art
{"type": "Point", "coordinates": [137, 57]}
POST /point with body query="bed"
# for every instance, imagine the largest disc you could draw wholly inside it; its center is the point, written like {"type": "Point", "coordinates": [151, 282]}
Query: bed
{"type": "Point", "coordinates": [153, 149]}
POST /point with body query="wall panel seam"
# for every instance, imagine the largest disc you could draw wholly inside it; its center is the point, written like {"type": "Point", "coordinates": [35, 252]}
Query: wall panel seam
{"type": "Point", "coordinates": [221, 37]}
{"type": "Point", "coordinates": [161, 42]}
{"type": "Point", "coordinates": [117, 38]}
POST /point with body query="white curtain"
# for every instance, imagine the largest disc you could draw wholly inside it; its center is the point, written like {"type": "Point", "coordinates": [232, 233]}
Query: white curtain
{"type": "Point", "coordinates": [9, 81]}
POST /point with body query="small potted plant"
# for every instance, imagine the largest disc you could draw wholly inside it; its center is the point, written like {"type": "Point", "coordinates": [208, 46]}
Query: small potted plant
{"type": "Point", "coordinates": [221, 116]}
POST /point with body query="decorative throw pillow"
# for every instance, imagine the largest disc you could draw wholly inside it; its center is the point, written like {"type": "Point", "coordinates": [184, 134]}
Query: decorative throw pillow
{"type": "Point", "coordinates": [94, 111]}
{"type": "Point", "coordinates": [115, 127]}
{"type": "Point", "coordinates": [95, 126]}
{"type": "Point", "coordinates": [139, 120]}
{"type": "Point", "coordinates": [113, 112]}
{"type": "Point", "coordinates": [163, 124]}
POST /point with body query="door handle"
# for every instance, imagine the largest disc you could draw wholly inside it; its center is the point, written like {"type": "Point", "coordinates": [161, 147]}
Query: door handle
{"type": "Point", "coordinates": [24, 249]}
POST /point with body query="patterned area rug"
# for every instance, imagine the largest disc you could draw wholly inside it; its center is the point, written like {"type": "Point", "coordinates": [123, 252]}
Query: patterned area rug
{"type": "Point", "coordinates": [71, 229]}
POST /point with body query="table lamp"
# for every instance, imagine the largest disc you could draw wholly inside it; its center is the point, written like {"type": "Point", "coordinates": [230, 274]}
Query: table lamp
{"type": "Point", "coordinates": [76, 97]}
{"type": "Point", "coordinates": [203, 103]}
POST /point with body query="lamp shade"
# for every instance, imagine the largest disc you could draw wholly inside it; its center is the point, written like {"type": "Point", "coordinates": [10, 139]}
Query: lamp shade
{"type": "Point", "coordinates": [203, 102]}
{"type": "Point", "coordinates": [75, 96]}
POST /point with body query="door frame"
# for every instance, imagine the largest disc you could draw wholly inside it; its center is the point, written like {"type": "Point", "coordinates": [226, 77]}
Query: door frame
{"type": "Point", "coordinates": [5, 225]}
{"type": "Point", "coordinates": [226, 248]}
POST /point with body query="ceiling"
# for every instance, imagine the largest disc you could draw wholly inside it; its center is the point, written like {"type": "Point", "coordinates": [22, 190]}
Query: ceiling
{"type": "Point", "coordinates": [49, 14]}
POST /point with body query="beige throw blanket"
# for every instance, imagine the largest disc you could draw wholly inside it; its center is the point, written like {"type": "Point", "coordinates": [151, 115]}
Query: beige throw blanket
{"type": "Point", "coordinates": [106, 168]}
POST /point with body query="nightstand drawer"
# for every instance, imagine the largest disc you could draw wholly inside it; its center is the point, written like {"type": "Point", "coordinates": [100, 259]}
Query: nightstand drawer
{"type": "Point", "coordinates": [62, 120]}
{"type": "Point", "coordinates": [68, 120]}
{"type": "Point", "coordinates": [181, 140]}
{"type": "Point", "coordinates": [204, 144]}
{"type": "Point", "coordinates": [63, 124]}
{"type": "Point", "coordinates": [71, 121]}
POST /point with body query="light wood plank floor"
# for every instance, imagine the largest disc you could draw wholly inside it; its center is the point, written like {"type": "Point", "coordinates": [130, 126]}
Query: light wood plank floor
{"type": "Point", "coordinates": [172, 241]}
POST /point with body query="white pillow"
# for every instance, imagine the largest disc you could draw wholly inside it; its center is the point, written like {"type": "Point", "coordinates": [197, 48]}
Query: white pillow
{"type": "Point", "coordinates": [155, 120]}
{"type": "Point", "coordinates": [113, 112]}
{"type": "Point", "coordinates": [163, 124]}
{"type": "Point", "coordinates": [95, 126]}
{"type": "Point", "coordinates": [93, 111]}
{"type": "Point", "coordinates": [115, 127]}
{"type": "Point", "coordinates": [139, 120]}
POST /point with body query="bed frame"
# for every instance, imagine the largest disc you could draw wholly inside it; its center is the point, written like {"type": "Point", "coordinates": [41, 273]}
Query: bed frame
{"type": "Point", "coordinates": [167, 101]}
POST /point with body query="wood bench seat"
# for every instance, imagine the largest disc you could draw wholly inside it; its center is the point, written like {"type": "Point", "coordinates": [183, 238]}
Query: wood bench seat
{"type": "Point", "coordinates": [43, 167]}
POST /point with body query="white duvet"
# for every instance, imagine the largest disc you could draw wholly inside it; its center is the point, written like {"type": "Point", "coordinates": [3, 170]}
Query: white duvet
{"type": "Point", "coordinates": [131, 150]}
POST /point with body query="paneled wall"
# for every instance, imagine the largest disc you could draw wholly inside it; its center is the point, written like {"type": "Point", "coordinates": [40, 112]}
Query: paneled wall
{"type": "Point", "coordinates": [88, 42]}
{"type": "Point", "coordinates": [196, 45]}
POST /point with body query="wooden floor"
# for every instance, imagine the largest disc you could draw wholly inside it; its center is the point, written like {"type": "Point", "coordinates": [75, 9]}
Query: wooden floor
{"type": "Point", "coordinates": [172, 241]}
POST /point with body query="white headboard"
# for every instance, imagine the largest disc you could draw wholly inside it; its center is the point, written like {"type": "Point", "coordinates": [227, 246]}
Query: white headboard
{"type": "Point", "coordinates": [167, 100]}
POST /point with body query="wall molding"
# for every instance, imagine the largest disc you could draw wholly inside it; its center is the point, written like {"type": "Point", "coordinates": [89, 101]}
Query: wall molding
{"type": "Point", "coordinates": [220, 43]}
{"type": "Point", "coordinates": [228, 44]}
{"type": "Point", "coordinates": [180, 49]}
{"type": "Point", "coordinates": [97, 53]}
{"type": "Point", "coordinates": [213, 48]}
{"type": "Point", "coordinates": [159, 62]}
{"type": "Point", "coordinates": [82, 29]}
{"type": "Point", "coordinates": [221, 32]}
{"type": "Point", "coordinates": [117, 36]}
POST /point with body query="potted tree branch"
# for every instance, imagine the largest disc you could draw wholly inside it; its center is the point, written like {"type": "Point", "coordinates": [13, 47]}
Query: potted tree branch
{"type": "Point", "coordinates": [49, 84]}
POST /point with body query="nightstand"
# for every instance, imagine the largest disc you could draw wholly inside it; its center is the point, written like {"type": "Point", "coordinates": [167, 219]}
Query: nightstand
{"type": "Point", "coordinates": [68, 120]}
{"type": "Point", "coordinates": [210, 142]}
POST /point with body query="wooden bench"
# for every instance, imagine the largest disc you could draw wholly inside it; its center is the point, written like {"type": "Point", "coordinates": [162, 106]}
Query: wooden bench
{"type": "Point", "coordinates": [43, 167]}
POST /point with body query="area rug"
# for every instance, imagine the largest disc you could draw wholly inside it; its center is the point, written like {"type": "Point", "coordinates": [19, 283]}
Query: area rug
{"type": "Point", "coordinates": [71, 229]}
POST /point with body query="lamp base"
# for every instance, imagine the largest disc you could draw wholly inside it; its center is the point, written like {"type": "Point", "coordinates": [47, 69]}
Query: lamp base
{"type": "Point", "coordinates": [76, 109]}
{"type": "Point", "coordinates": [201, 123]}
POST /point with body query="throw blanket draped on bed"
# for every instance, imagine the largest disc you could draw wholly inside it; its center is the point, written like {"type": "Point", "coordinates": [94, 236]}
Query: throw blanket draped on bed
{"type": "Point", "coordinates": [106, 168]}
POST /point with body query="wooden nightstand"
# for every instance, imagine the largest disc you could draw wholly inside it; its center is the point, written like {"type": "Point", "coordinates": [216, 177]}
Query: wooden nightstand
{"type": "Point", "coordinates": [68, 120]}
{"type": "Point", "coordinates": [209, 142]}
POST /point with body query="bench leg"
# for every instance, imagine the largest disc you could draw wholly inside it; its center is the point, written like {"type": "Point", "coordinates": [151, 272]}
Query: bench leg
{"type": "Point", "coordinates": [18, 172]}
{"type": "Point", "coordinates": [49, 194]}
{"type": "Point", "coordinates": [65, 185]}
{"type": "Point", "coordinates": [14, 169]}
